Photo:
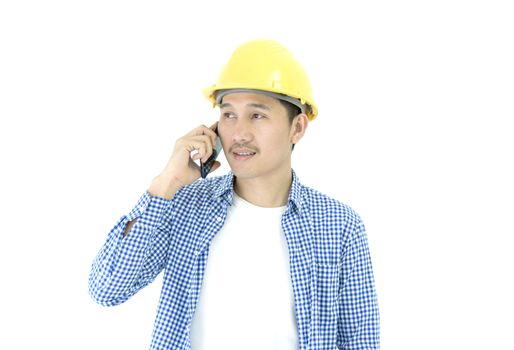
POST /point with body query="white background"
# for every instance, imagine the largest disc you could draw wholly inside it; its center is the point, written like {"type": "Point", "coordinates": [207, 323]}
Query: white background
{"type": "Point", "coordinates": [414, 132]}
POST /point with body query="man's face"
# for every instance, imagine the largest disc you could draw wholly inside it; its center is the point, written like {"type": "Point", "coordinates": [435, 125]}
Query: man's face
{"type": "Point", "coordinates": [255, 134]}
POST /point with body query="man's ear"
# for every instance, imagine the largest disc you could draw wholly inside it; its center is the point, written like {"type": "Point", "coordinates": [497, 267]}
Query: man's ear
{"type": "Point", "coordinates": [298, 127]}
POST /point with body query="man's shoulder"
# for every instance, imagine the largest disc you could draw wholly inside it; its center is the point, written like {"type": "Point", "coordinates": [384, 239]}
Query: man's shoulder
{"type": "Point", "coordinates": [323, 205]}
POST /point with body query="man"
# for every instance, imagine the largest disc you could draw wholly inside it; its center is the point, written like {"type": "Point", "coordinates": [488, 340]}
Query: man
{"type": "Point", "coordinates": [253, 259]}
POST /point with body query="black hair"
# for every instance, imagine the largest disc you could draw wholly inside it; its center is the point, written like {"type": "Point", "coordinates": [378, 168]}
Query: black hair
{"type": "Point", "coordinates": [292, 112]}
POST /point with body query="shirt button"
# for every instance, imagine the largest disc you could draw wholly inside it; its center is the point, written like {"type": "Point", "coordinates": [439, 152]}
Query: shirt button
{"type": "Point", "coordinates": [218, 219]}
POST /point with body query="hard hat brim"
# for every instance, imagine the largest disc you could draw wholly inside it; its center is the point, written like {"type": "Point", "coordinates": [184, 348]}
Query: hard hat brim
{"type": "Point", "coordinates": [210, 93]}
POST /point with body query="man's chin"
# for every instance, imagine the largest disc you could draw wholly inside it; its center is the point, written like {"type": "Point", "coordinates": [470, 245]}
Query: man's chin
{"type": "Point", "coordinates": [243, 173]}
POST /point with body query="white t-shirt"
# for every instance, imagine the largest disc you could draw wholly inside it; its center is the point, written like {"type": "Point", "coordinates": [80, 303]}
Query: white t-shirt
{"type": "Point", "coordinates": [246, 299]}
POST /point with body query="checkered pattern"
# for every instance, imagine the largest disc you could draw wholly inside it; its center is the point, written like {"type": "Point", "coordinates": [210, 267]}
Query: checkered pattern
{"type": "Point", "coordinates": [330, 265]}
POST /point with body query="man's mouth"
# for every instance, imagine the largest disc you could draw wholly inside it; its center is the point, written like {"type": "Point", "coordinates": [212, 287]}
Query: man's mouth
{"type": "Point", "coordinates": [242, 155]}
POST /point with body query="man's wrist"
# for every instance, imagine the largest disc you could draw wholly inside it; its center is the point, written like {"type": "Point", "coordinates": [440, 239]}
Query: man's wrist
{"type": "Point", "coordinates": [164, 186]}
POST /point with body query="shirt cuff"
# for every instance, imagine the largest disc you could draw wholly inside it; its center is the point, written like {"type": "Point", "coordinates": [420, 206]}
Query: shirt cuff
{"type": "Point", "coordinates": [154, 207]}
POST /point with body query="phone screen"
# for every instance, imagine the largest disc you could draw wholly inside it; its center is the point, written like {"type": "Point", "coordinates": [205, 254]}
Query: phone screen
{"type": "Point", "coordinates": [206, 167]}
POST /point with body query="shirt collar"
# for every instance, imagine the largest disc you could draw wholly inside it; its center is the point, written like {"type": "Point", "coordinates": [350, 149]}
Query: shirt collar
{"type": "Point", "coordinates": [226, 191]}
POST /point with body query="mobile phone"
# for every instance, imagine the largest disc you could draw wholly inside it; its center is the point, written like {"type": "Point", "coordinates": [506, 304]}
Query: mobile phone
{"type": "Point", "coordinates": [206, 167]}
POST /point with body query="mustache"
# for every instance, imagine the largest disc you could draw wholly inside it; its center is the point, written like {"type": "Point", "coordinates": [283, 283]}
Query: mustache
{"type": "Point", "coordinates": [244, 146]}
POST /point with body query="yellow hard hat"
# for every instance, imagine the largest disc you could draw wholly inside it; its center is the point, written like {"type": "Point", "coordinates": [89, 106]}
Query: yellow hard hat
{"type": "Point", "coordinates": [267, 66]}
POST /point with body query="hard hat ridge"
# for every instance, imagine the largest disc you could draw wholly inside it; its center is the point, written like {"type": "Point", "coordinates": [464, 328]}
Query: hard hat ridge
{"type": "Point", "coordinates": [265, 66]}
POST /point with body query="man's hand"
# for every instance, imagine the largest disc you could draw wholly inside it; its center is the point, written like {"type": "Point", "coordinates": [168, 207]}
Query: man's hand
{"type": "Point", "coordinates": [181, 170]}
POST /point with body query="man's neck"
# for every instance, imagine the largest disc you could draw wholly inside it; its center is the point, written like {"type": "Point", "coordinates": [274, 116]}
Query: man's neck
{"type": "Point", "coordinates": [271, 192]}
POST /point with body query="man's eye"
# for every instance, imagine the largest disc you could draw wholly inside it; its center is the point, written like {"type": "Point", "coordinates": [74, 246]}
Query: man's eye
{"type": "Point", "coordinates": [258, 116]}
{"type": "Point", "coordinates": [227, 115]}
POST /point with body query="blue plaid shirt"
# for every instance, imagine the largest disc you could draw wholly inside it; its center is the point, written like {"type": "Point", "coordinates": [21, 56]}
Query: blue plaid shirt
{"type": "Point", "coordinates": [330, 264]}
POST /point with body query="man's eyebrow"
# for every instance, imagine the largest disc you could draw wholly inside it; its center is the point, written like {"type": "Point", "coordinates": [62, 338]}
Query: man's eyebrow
{"type": "Point", "coordinates": [255, 105]}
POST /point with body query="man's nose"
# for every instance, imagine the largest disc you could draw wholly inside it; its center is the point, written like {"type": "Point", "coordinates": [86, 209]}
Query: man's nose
{"type": "Point", "coordinates": [242, 132]}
